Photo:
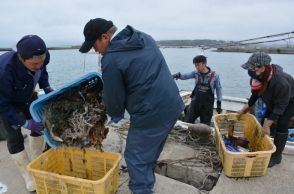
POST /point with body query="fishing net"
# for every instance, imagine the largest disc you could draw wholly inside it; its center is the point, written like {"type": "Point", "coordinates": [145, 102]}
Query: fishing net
{"type": "Point", "coordinates": [77, 117]}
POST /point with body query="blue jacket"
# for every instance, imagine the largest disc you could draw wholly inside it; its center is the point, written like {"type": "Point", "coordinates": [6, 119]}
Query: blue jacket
{"type": "Point", "coordinates": [17, 86]}
{"type": "Point", "coordinates": [214, 84]}
{"type": "Point", "coordinates": [136, 78]}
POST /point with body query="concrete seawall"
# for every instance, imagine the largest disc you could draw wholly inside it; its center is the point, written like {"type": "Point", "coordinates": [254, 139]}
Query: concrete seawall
{"type": "Point", "coordinates": [252, 50]}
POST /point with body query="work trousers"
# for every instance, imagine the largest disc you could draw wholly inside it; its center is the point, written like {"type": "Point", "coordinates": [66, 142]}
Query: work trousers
{"type": "Point", "coordinates": [15, 140]}
{"type": "Point", "coordinates": [197, 109]}
{"type": "Point", "coordinates": [142, 151]}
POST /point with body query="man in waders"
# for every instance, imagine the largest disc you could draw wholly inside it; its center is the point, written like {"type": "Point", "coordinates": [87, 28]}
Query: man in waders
{"type": "Point", "coordinates": [202, 98]}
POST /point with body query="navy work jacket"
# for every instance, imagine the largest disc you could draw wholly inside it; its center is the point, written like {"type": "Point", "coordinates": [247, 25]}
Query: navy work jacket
{"type": "Point", "coordinates": [136, 78]}
{"type": "Point", "coordinates": [17, 86]}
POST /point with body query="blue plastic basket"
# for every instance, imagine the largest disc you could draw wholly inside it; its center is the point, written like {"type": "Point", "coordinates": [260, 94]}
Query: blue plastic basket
{"type": "Point", "coordinates": [37, 107]}
{"type": "Point", "coordinates": [291, 135]}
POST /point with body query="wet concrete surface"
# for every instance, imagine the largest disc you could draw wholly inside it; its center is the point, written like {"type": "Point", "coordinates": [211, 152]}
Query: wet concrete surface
{"type": "Point", "coordinates": [278, 179]}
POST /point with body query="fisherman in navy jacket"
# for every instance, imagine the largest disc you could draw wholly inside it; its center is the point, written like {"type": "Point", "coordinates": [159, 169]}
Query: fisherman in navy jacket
{"type": "Point", "coordinates": [20, 72]}
{"type": "Point", "coordinates": [136, 78]}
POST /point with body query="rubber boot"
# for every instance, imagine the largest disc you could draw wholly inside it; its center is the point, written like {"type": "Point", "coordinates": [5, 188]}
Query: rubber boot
{"type": "Point", "coordinates": [280, 142]}
{"type": "Point", "coordinates": [36, 146]}
{"type": "Point", "coordinates": [22, 160]}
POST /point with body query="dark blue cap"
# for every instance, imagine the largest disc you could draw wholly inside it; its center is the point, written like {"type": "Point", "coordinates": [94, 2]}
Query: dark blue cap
{"type": "Point", "coordinates": [31, 45]}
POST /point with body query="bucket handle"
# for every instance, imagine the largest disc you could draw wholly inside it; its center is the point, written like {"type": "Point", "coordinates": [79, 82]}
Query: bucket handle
{"type": "Point", "coordinates": [251, 156]}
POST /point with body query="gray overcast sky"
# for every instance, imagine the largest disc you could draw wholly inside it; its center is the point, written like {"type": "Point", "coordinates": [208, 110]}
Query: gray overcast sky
{"type": "Point", "coordinates": [61, 22]}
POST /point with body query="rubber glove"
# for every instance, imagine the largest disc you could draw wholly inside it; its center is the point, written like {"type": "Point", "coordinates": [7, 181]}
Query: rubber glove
{"type": "Point", "coordinates": [33, 126]}
{"type": "Point", "coordinates": [117, 119]}
{"type": "Point", "coordinates": [244, 110]}
{"type": "Point", "coordinates": [177, 75]}
{"type": "Point", "coordinates": [219, 107]}
{"type": "Point", "coordinates": [266, 128]}
{"type": "Point", "coordinates": [48, 89]}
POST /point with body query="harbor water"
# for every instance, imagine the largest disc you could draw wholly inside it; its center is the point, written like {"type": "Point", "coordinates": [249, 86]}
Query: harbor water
{"type": "Point", "coordinates": [66, 65]}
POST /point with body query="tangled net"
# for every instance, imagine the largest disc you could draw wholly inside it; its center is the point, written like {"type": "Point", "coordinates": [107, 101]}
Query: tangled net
{"type": "Point", "coordinates": [206, 156]}
{"type": "Point", "coordinates": [76, 116]}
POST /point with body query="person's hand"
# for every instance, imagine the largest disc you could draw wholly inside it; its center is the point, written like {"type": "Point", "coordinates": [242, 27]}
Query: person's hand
{"type": "Point", "coordinates": [33, 126]}
{"type": "Point", "coordinates": [48, 89]}
{"type": "Point", "coordinates": [177, 75]}
{"type": "Point", "coordinates": [117, 119]}
{"type": "Point", "coordinates": [244, 110]}
{"type": "Point", "coordinates": [266, 128]}
{"type": "Point", "coordinates": [219, 107]}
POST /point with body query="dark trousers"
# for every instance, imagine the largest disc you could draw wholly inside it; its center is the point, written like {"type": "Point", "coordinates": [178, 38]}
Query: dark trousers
{"type": "Point", "coordinates": [204, 111]}
{"type": "Point", "coordinates": [3, 133]}
{"type": "Point", "coordinates": [15, 140]}
{"type": "Point", "coordinates": [143, 149]}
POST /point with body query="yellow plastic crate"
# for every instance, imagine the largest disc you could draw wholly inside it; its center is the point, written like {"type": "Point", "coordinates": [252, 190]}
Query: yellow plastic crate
{"type": "Point", "coordinates": [243, 164]}
{"type": "Point", "coordinates": [68, 170]}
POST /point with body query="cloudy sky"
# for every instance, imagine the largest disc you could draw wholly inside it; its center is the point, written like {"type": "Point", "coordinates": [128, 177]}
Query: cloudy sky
{"type": "Point", "coordinates": [61, 22]}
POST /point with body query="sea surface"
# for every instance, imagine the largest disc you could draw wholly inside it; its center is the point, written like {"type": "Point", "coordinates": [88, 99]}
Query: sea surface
{"type": "Point", "coordinates": [67, 65]}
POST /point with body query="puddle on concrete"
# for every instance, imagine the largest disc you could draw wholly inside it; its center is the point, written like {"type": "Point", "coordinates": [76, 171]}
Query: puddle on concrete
{"type": "Point", "coordinates": [3, 188]}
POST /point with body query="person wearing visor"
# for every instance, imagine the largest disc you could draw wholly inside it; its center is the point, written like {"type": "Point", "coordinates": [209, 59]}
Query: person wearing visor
{"type": "Point", "coordinates": [20, 72]}
{"type": "Point", "coordinates": [136, 78]}
{"type": "Point", "coordinates": [276, 88]}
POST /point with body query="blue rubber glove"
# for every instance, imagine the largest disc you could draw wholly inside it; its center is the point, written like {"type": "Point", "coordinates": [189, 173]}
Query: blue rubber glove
{"type": "Point", "coordinates": [117, 119]}
{"type": "Point", "coordinates": [33, 126]}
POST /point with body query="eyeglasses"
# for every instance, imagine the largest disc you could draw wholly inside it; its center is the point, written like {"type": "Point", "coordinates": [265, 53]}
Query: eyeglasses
{"type": "Point", "coordinates": [42, 57]}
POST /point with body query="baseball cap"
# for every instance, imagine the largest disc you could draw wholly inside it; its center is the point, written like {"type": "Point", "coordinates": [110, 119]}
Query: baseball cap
{"type": "Point", "coordinates": [257, 59]}
{"type": "Point", "coordinates": [92, 31]}
{"type": "Point", "coordinates": [31, 45]}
